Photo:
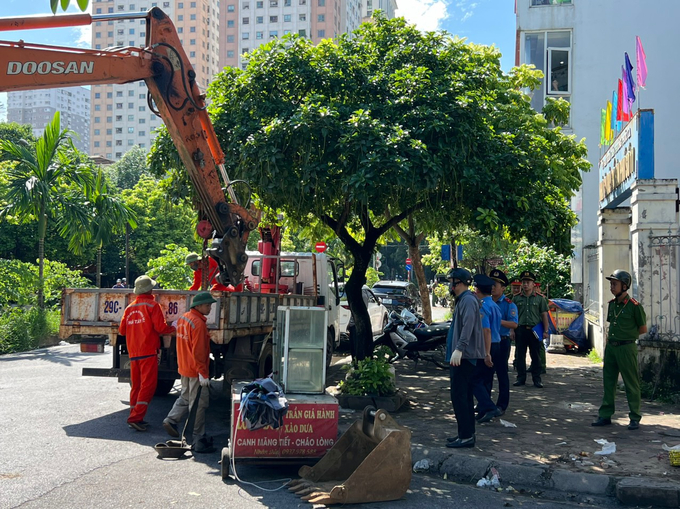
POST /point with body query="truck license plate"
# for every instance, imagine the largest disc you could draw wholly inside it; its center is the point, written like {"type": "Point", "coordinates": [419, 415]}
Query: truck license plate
{"type": "Point", "coordinates": [387, 301]}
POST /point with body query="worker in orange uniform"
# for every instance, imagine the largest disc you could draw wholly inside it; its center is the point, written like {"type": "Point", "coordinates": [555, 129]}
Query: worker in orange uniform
{"type": "Point", "coordinates": [142, 324]}
{"type": "Point", "coordinates": [194, 261]}
{"type": "Point", "coordinates": [193, 360]}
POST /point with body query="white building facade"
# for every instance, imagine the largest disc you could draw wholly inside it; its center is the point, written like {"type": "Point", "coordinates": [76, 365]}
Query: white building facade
{"type": "Point", "coordinates": [37, 108]}
{"type": "Point", "coordinates": [580, 46]}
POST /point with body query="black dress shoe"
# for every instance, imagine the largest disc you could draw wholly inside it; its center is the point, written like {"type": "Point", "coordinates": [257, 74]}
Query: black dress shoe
{"type": "Point", "coordinates": [489, 416]}
{"type": "Point", "coordinates": [468, 442]}
{"type": "Point", "coordinates": [601, 422]}
{"type": "Point", "coordinates": [451, 439]}
{"type": "Point", "coordinates": [634, 425]}
{"type": "Point", "coordinates": [538, 385]}
{"type": "Point", "coordinates": [518, 383]}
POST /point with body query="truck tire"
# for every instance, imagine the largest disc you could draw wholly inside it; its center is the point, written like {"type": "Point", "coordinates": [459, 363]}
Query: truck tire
{"type": "Point", "coordinates": [164, 387]}
{"type": "Point", "coordinates": [266, 364]}
{"type": "Point", "coordinates": [330, 343]}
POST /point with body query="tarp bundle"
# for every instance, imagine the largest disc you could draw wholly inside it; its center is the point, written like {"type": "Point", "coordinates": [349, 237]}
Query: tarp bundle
{"type": "Point", "coordinates": [263, 403]}
{"type": "Point", "coordinates": [575, 331]}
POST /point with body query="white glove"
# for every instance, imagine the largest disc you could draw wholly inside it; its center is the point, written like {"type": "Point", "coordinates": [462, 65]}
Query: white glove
{"type": "Point", "coordinates": [456, 358]}
{"type": "Point", "coordinates": [205, 382]}
{"type": "Point", "coordinates": [174, 324]}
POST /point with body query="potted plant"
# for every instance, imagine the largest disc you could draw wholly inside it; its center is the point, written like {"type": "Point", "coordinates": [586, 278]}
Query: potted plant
{"type": "Point", "coordinates": [371, 382]}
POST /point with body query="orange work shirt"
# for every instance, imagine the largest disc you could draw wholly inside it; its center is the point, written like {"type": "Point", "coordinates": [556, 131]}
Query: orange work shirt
{"type": "Point", "coordinates": [142, 324]}
{"type": "Point", "coordinates": [193, 345]}
{"type": "Point", "coordinates": [213, 270]}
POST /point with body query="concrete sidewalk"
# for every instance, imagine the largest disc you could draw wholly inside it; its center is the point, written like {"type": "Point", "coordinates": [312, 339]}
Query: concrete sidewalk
{"type": "Point", "coordinates": [552, 447]}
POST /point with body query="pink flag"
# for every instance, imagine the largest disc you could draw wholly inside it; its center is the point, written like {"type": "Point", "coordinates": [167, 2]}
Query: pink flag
{"type": "Point", "coordinates": [625, 100]}
{"type": "Point", "coordinates": [641, 63]}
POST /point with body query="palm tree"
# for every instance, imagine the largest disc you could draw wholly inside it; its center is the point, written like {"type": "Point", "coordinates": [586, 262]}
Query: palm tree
{"type": "Point", "coordinates": [107, 216]}
{"type": "Point", "coordinates": [35, 183]}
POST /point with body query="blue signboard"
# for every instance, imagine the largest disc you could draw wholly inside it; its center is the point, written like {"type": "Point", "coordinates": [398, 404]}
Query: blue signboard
{"type": "Point", "coordinates": [446, 252]}
{"type": "Point", "coordinates": [630, 158]}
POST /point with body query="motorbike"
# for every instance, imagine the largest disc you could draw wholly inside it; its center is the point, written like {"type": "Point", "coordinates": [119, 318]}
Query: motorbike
{"type": "Point", "coordinates": [408, 336]}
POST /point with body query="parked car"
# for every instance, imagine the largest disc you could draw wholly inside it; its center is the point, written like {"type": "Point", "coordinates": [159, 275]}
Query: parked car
{"type": "Point", "coordinates": [397, 295]}
{"type": "Point", "coordinates": [377, 312]}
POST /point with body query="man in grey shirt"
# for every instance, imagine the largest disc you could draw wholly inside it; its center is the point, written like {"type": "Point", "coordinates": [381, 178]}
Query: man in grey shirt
{"type": "Point", "coordinates": [464, 347]}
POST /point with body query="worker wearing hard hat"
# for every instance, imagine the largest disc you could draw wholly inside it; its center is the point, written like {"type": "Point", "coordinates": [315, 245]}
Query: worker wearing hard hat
{"type": "Point", "coordinates": [194, 261]}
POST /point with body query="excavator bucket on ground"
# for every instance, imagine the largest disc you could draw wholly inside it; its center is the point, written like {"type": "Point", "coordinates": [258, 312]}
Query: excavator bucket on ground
{"type": "Point", "coordinates": [371, 462]}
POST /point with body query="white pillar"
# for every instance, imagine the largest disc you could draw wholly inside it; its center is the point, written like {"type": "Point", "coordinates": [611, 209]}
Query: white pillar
{"type": "Point", "coordinates": [655, 278]}
{"type": "Point", "coordinates": [613, 250]}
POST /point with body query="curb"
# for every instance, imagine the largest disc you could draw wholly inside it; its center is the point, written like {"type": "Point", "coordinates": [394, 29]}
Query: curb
{"type": "Point", "coordinates": [469, 469]}
{"type": "Point", "coordinates": [534, 477]}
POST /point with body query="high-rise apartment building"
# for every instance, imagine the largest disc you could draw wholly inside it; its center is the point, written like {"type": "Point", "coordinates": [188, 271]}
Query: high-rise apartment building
{"type": "Point", "coordinates": [37, 108]}
{"type": "Point", "coordinates": [246, 24]}
{"type": "Point", "coordinates": [121, 117]}
{"type": "Point", "coordinates": [388, 8]}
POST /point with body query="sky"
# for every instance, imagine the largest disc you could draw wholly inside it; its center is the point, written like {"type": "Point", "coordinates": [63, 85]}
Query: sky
{"type": "Point", "coordinates": [479, 21]}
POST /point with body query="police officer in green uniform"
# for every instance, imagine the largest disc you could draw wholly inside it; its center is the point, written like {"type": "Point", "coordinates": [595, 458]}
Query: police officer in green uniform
{"type": "Point", "coordinates": [532, 309]}
{"type": "Point", "coordinates": [627, 320]}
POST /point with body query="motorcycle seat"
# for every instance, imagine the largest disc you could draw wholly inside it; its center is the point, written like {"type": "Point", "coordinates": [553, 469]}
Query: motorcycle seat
{"type": "Point", "coordinates": [432, 331]}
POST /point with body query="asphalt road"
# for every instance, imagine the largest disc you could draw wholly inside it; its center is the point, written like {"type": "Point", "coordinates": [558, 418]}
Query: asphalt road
{"type": "Point", "coordinates": [65, 444]}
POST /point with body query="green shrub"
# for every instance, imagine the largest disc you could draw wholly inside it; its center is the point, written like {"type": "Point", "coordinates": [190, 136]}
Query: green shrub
{"type": "Point", "coordinates": [170, 268]}
{"type": "Point", "coordinates": [370, 376]}
{"type": "Point", "coordinates": [594, 357]}
{"type": "Point", "coordinates": [23, 329]}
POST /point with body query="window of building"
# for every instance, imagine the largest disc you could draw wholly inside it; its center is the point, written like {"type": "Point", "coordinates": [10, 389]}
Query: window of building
{"type": "Point", "coordinates": [96, 132]}
{"type": "Point", "coordinates": [192, 29]}
{"type": "Point", "coordinates": [97, 107]}
{"type": "Point", "coordinates": [96, 144]}
{"type": "Point", "coordinates": [109, 131]}
{"type": "Point", "coordinates": [142, 34]}
{"type": "Point", "coordinates": [141, 108]}
{"type": "Point", "coordinates": [273, 3]}
{"type": "Point", "coordinates": [132, 31]}
{"type": "Point", "coordinates": [119, 130]}
{"type": "Point", "coordinates": [231, 8]}
{"type": "Point", "coordinates": [119, 118]}
{"type": "Point", "coordinates": [230, 38]}
{"type": "Point", "coordinates": [192, 5]}
{"type": "Point", "coordinates": [131, 118]}
{"type": "Point", "coordinates": [550, 52]}
{"type": "Point", "coordinates": [192, 17]}
{"type": "Point", "coordinates": [230, 23]}
{"type": "Point", "coordinates": [286, 18]}
{"type": "Point", "coordinates": [259, 20]}
{"type": "Point", "coordinates": [131, 130]}
{"type": "Point", "coordinates": [180, 5]}
{"type": "Point", "coordinates": [244, 51]}
{"type": "Point", "coordinates": [130, 142]}
{"type": "Point", "coordinates": [97, 120]}
{"type": "Point", "coordinates": [192, 42]}
{"type": "Point", "coordinates": [321, 18]}
{"type": "Point", "coordinates": [97, 95]}
{"type": "Point", "coordinates": [230, 54]}
{"type": "Point", "coordinates": [142, 121]}
{"type": "Point", "coordinates": [303, 2]}
{"type": "Point", "coordinates": [259, 35]}
{"type": "Point", "coordinates": [180, 17]}
{"type": "Point", "coordinates": [259, 5]}
{"type": "Point", "coordinates": [322, 3]}
{"type": "Point", "coordinates": [166, 4]}
{"type": "Point", "coordinates": [321, 33]}
{"type": "Point", "coordinates": [246, 21]}
{"type": "Point", "coordinates": [119, 155]}
{"type": "Point", "coordinates": [246, 5]}
{"type": "Point", "coordinates": [273, 19]}
{"type": "Point", "coordinates": [180, 30]}
{"type": "Point", "coordinates": [141, 133]}
{"type": "Point", "coordinates": [302, 17]}
{"type": "Point", "coordinates": [273, 33]}
{"type": "Point", "coordinates": [119, 106]}
{"type": "Point", "coordinates": [287, 3]}
{"type": "Point", "coordinates": [245, 35]}
{"type": "Point", "coordinates": [286, 32]}
{"type": "Point", "coordinates": [97, 35]}
{"type": "Point", "coordinates": [302, 33]}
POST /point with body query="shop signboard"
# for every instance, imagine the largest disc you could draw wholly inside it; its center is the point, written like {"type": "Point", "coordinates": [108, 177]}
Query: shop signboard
{"type": "Point", "coordinates": [629, 158]}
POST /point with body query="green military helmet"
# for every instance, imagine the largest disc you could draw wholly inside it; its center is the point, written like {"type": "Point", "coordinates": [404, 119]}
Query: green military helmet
{"type": "Point", "coordinates": [621, 275]}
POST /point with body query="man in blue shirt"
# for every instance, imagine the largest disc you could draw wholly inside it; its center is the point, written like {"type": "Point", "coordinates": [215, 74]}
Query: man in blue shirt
{"type": "Point", "coordinates": [491, 325]}
{"type": "Point", "coordinates": [508, 323]}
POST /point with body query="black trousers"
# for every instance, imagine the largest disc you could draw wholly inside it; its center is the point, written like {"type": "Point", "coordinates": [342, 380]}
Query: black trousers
{"type": "Point", "coordinates": [462, 397]}
{"type": "Point", "coordinates": [524, 338]}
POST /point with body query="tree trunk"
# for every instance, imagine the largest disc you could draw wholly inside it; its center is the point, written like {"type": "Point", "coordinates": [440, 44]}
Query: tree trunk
{"type": "Point", "coordinates": [99, 267]}
{"type": "Point", "coordinates": [419, 271]}
{"type": "Point", "coordinates": [41, 272]}
{"type": "Point", "coordinates": [362, 346]}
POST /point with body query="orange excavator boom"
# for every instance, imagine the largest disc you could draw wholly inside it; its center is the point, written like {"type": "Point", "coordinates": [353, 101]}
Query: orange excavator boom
{"type": "Point", "coordinates": [173, 94]}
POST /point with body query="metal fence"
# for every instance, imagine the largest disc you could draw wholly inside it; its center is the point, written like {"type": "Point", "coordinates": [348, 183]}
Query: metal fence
{"type": "Point", "coordinates": [664, 311]}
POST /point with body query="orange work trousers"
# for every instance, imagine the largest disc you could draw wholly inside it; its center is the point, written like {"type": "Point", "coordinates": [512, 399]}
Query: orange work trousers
{"type": "Point", "coordinates": [144, 377]}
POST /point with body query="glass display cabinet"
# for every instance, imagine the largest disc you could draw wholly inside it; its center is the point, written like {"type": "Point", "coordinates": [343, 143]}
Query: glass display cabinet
{"type": "Point", "coordinates": [300, 349]}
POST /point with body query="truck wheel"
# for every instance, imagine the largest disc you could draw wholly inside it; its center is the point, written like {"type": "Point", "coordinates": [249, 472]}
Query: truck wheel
{"type": "Point", "coordinates": [330, 343]}
{"type": "Point", "coordinates": [266, 365]}
{"type": "Point", "coordinates": [164, 387]}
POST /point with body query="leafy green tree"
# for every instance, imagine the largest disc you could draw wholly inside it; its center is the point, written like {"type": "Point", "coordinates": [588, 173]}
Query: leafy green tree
{"type": "Point", "coordinates": [107, 216]}
{"type": "Point", "coordinates": [159, 222]}
{"type": "Point", "coordinates": [552, 269]}
{"type": "Point", "coordinates": [363, 132]}
{"type": "Point", "coordinates": [170, 268]}
{"type": "Point", "coordinates": [126, 172]}
{"type": "Point", "coordinates": [36, 184]}
{"type": "Point", "coordinates": [16, 132]}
